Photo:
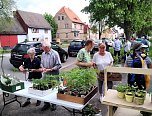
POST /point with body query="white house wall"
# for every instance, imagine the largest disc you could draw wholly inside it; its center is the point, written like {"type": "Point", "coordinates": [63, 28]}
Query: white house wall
{"type": "Point", "coordinates": [41, 35]}
{"type": "Point", "coordinates": [21, 38]}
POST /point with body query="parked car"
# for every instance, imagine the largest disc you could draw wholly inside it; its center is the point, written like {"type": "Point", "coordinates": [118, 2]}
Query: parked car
{"type": "Point", "coordinates": [75, 46]}
{"type": "Point", "coordinates": [19, 52]}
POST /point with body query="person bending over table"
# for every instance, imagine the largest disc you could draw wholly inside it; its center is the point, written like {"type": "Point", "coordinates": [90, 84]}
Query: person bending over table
{"type": "Point", "coordinates": [33, 65]}
{"type": "Point", "coordinates": [51, 64]}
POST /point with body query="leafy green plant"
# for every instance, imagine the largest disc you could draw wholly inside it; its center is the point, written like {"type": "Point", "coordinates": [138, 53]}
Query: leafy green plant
{"type": "Point", "coordinates": [140, 93]}
{"type": "Point", "coordinates": [81, 79]}
{"type": "Point", "coordinates": [49, 82]}
{"type": "Point", "coordinates": [121, 87]}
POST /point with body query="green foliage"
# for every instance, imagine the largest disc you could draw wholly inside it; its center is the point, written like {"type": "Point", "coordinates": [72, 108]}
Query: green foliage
{"type": "Point", "coordinates": [52, 23]}
{"type": "Point", "coordinates": [80, 78]}
{"type": "Point", "coordinates": [50, 81]}
{"type": "Point", "coordinates": [94, 29]}
{"type": "Point", "coordinates": [6, 8]}
{"type": "Point", "coordinates": [131, 15]}
{"type": "Point", "coordinates": [121, 87]}
{"type": "Point", "coordinates": [140, 93]}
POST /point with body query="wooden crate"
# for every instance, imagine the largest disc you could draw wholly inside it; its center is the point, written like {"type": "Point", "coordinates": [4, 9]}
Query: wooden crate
{"type": "Point", "coordinates": [75, 99]}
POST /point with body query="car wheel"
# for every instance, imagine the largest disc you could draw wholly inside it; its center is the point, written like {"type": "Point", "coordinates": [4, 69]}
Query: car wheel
{"type": "Point", "coordinates": [64, 58]}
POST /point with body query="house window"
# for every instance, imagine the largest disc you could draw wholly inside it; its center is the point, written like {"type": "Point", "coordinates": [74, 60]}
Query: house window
{"type": "Point", "coordinates": [66, 35]}
{"type": "Point", "coordinates": [35, 30]}
{"type": "Point", "coordinates": [57, 35]}
{"type": "Point", "coordinates": [35, 39]}
{"type": "Point", "coordinates": [58, 17]}
{"type": "Point", "coordinates": [76, 34]}
{"type": "Point", "coordinates": [46, 31]}
{"type": "Point", "coordinates": [75, 26]}
{"type": "Point", "coordinates": [66, 26]}
{"type": "Point", "coordinates": [62, 17]}
{"type": "Point", "coordinates": [81, 27]}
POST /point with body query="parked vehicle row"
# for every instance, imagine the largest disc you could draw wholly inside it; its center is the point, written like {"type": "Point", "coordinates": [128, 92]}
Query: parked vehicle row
{"type": "Point", "coordinates": [19, 52]}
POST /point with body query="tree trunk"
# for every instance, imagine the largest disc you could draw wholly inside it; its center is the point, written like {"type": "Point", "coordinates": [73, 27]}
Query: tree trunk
{"type": "Point", "coordinates": [99, 30]}
{"type": "Point", "coordinates": [127, 30]}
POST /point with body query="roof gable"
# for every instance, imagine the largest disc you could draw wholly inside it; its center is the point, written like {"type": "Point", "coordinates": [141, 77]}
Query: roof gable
{"type": "Point", "coordinates": [72, 16]}
{"type": "Point", "coordinates": [12, 27]}
{"type": "Point", "coordinates": [34, 20]}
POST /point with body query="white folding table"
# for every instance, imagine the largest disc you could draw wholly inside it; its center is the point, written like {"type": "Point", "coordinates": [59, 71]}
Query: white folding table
{"type": "Point", "coordinates": [52, 98]}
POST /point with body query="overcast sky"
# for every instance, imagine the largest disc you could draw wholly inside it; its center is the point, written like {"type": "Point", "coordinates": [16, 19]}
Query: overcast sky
{"type": "Point", "coordinates": [53, 6]}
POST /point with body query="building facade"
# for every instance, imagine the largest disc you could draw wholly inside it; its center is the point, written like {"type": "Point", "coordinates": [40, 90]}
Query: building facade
{"type": "Point", "coordinates": [70, 26]}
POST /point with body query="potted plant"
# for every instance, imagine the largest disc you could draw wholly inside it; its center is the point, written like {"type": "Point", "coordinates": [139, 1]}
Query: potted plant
{"type": "Point", "coordinates": [80, 80]}
{"type": "Point", "coordinates": [42, 87]}
{"type": "Point", "coordinates": [140, 97]}
{"type": "Point", "coordinates": [129, 95]}
{"type": "Point", "coordinates": [10, 84]}
{"type": "Point", "coordinates": [80, 85]}
{"type": "Point", "coordinates": [121, 89]}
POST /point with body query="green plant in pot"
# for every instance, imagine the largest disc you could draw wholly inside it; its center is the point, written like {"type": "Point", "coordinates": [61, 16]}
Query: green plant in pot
{"type": "Point", "coordinates": [129, 95]}
{"type": "Point", "coordinates": [140, 97]}
{"type": "Point", "coordinates": [79, 81]}
{"type": "Point", "coordinates": [121, 89]}
{"type": "Point", "coordinates": [47, 83]}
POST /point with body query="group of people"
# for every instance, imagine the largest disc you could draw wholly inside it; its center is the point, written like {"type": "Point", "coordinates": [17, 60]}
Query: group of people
{"type": "Point", "coordinates": [103, 58]}
{"type": "Point", "coordinates": [49, 65]}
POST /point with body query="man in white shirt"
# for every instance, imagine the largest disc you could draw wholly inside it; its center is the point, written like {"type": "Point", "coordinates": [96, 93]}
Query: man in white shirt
{"type": "Point", "coordinates": [117, 48]}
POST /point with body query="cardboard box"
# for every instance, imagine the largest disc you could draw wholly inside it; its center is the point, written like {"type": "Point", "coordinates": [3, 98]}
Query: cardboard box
{"type": "Point", "coordinates": [41, 92]}
{"type": "Point", "coordinates": [76, 99]}
{"type": "Point", "coordinates": [12, 88]}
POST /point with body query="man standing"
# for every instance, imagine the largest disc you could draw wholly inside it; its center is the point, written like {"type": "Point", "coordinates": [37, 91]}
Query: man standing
{"type": "Point", "coordinates": [33, 64]}
{"type": "Point", "coordinates": [51, 64]}
{"type": "Point", "coordinates": [117, 48]}
{"type": "Point", "coordinates": [83, 56]}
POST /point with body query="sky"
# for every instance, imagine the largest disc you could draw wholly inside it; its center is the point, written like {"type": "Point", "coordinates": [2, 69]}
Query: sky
{"type": "Point", "coordinates": [53, 6]}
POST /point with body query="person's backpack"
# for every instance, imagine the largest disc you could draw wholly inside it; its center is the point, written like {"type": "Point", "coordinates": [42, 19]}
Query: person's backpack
{"type": "Point", "coordinates": [137, 79]}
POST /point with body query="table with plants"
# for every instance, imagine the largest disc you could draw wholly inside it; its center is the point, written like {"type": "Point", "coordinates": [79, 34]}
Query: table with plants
{"type": "Point", "coordinates": [71, 89]}
{"type": "Point", "coordinates": [127, 96]}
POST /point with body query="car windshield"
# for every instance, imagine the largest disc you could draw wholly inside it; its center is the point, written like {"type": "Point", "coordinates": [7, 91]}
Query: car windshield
{"type": "Point", "coordinates": [75, 43]}
{"type": "Point", "coordinates": [22, 47]}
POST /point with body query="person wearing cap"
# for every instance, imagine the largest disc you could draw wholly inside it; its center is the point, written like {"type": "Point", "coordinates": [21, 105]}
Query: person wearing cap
{"type": "Point", "coordinates": [51, 64]}
{"type": "Point", "coordinates": [33, 65]}
{"type": "Point", "coordinates": [139, 49]}
{"type": "Point", "coordinates": [83, 59]}
{"type": "Point", "coordinates": [101, 60]}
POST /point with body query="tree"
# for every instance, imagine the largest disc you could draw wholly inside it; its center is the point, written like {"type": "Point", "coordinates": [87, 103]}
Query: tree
{"type": "Point", "coordinates": [6, 8]}
{"type": "Point", "coordinates": [52, 23]}
{"type": "Point", "coordinates": [94, 29]}
{"type": "Point", "coordinates": [130, 15]}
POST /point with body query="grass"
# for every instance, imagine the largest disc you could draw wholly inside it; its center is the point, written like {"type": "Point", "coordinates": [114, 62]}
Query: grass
{"type": "Point", "coordinates": [5, 51]}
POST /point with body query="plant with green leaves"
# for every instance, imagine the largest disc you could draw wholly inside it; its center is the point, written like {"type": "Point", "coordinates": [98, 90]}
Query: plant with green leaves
{"type": "Point", "coordinates": [121, 87]}
{"type": "Point", "coordinates": [82, 79]}
{"type": "Point", "coordinates": [48, 82]}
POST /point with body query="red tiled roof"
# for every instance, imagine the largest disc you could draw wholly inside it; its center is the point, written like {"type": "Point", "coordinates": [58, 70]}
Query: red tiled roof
{"type": "Point", "coordinates": [73, 17]}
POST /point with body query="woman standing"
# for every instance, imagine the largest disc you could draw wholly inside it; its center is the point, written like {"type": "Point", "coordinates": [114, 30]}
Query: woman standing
{"type": "Point", "coordinates": [101, 60]}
